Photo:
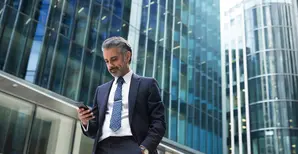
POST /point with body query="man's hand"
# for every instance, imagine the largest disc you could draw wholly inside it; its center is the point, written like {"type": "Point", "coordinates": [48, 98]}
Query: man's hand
{"type": "Point", "coordinates": [85, 116]}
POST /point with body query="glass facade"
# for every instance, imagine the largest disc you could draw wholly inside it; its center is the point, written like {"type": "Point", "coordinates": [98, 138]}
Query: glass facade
{"type": "Point", "coordinates": [265, 53]}
{"type": "Point", "coordinates": [56, 44]}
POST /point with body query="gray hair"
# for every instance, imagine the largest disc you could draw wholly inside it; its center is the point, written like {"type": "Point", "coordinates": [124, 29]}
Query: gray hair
{"type": "Point", "coordinates": [116, 42]}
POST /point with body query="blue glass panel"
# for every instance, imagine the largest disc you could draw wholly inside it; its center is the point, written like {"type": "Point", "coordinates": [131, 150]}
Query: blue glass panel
{"type": "Point", "coordinates": [118, 5]}
{"type": "Point", "coordinates": [149, 58]}
{"type": "Point", "coordinates": [115, 26]}
{"type": "Point", "coordinates": [203, 140]}
{"type": "Point", "coordinates": [68, 18]}
{"type": "Point", "coordinates": [126, 11]}
{"type": "Point", "coordinates": [190, 126]}
{"type": "Point", "coordinates": [196, 129]}
{"type": "Point", "coordinates": [141, 54]}
{"type": "Point", "coordinates": [42, 11]}
{"type": "Point", "coordinates": [175, 77]}
{"type": "Point", "coordinates": [70, 88]}
{"type": "Point", "coordinates": [144, 19]}
{"type": "Point", "coordinates": [59, 64]}
{"type": "Point", "coordinates": [125, 28]}
{"type": "Point", "coordinates": [17, 45]}
{"type": "Point", "coordinates": [95, 21]}
{"type": "Point", "coordinates": [86, 78]}
{"type": "Point", "coordinates": [8, 20]}
{"type": "Point", "coordinates": [174, 119]}
{"type": "Point", "coordinates": [107, 4]}
{"type": "Point", "coordinates": [81, 21]}
{"type": "Point", "coordinates": [34, 47]}
{"type": "Point", "coordinates": [152, 20]}
{"type": "Point", "coordinates": [104, 27]}
{"type": "Point", "coordinates": [55, 13]}
{"type": "Point", "coordinates": [166, 102]}
{"type": "Point", "coordinates": [14, 3]}
{"type": "Point", "coordinates": [159, 64]}
{"type": "Point", "coordinates": [46, 59]}
{"type": "Point", "coordinates": [182, 123]}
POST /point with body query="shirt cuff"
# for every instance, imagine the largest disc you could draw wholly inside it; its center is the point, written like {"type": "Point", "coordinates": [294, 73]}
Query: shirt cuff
{"type": "Point", "coordinates": [85, 127]}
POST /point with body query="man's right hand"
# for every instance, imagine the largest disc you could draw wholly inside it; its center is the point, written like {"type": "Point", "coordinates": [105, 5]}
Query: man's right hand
{"type": "Point", "coordinates": [85, 116]}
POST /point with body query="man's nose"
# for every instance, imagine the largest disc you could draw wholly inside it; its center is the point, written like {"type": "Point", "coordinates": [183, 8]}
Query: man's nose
{"type": "Point", "coordinates": [109, 65]}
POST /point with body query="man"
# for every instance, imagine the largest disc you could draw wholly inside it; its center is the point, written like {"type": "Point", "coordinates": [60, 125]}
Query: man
{"type": "Point", "coordinates": [130, 117]}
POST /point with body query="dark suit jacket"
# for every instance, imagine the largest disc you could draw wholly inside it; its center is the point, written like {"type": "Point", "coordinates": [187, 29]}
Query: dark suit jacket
{"type": "Point", "coordinates": [146, 112]}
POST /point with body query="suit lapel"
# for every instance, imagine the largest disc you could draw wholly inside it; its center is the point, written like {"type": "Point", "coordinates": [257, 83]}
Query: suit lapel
{"type": "Point", "coordinates": [132, 96]}
{"type": "Point", "coordinates": [105, 95]}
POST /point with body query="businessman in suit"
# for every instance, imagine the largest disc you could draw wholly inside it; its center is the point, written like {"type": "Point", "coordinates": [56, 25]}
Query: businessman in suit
{"type": "Point", "coordinates": [130, 117]}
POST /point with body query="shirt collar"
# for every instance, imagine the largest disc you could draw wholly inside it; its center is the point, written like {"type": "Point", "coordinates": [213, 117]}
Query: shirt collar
{"type": "Point", "coordinates": [126, 77]}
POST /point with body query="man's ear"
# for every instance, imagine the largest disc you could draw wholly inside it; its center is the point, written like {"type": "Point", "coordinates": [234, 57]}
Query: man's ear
{"type": "Point", "coordinates": [128, 56]}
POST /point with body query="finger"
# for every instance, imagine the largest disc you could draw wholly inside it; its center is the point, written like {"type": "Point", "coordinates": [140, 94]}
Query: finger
{"type": "Point", "coordinates": [90, 118]}
{"type": "Point", "coordinates": [85, 112]}
{"type": "Point", "coordinates": [86, 116]}
{"type": "Point", "coordinates": [80, 110]}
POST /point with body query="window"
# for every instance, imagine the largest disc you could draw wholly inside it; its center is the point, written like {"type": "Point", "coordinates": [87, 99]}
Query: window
{"type": "Point", "coordinates": [15, 119]}
{"type": "Point", "coordinates": [51, 133]}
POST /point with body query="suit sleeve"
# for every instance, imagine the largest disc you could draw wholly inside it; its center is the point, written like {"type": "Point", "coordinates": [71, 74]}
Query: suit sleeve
{"type": "Point", "coordinates": [157, 125]}
{"type": "Point", "coordinates": [93, 124]}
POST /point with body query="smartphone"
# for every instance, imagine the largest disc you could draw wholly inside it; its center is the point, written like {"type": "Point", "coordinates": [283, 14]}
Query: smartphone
{"type": "Point", "coordinates": [82, 105]}
{"type": "Point", "coordinates": [85, 107]}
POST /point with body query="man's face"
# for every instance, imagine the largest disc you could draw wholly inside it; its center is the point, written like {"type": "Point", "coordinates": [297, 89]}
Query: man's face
{"type": "Point", "coordinates": [116, 61]}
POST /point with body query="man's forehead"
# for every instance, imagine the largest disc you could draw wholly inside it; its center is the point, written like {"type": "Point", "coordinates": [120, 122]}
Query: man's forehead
{"type": "Point", "coordinates": [114, 49]}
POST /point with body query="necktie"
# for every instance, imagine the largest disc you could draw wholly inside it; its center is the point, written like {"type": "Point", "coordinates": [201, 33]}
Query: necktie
{"type": "Point", "coordinates": [115, 122]}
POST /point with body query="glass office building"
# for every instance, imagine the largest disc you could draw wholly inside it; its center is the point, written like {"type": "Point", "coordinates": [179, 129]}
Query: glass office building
{"type": "Point", "coordinates": [260, 59]}
{"type": "Point", "coordinates": [56, 45]}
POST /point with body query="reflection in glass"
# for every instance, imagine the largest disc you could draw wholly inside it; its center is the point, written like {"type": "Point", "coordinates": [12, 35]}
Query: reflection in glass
{"type": "Point", "coordinates": [82, 144]}
{"type": "Point", "coordinates": [15, 119]}
{"type": "Point", "coordinates": [118, 5]}
{"type": "Point", "coordinates": [81, 21]}
{"type": "Point", "coordinates": [73, 72]}
{"type": "Point", "coordinates": [68, 18]}
{"type": "Point", "coordinates": [95, 22]}
{"type": "Point", "coordinates": [17, 45]}
{"type": "Point", "coordinates": [86, 77]}
{"type": "Point", "coordinates": [115, 26]}
{"type": "Point", "coordinates": [34, 48]}
{"type": "Point", "coordinates": [55, 13]}
{"type": "Point", "coordinates": [46, 59]}
{"type": "Point", "coordinates": [149, 58]}
{"type": "Point", "coordinates": [59, 64]}
{"type": "Point", "coordinates": [51, 133]}
{"type": "Point", "coordinates": [9, 16]}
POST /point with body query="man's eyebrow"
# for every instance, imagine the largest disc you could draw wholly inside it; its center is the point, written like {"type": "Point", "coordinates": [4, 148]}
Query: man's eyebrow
{"type": "Point", "coordinates": [111, 58]}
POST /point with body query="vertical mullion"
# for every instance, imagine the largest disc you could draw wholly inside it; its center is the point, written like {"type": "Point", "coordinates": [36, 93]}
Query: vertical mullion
{"type": "Point", "coordinates": [29, 133]}
{"type": "Point", "coordinates": [171, 69]}
{"type": "Point", "coordinates": [238, 98]}
{"type": "Point", "coordinates": [147, 37]}
{"type": "Point", "coordinates": [247, 114]}
{"type": "Point", "coordinates": [156, 39]}
{"type": "Point", "coordinates": [231, 94]}
{"type": "Point", "coordinates": [164, 45]}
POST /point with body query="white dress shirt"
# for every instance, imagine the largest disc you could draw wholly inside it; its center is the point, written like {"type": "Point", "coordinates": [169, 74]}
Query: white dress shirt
{"type": "Point", "coordinates": [125, 127]}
